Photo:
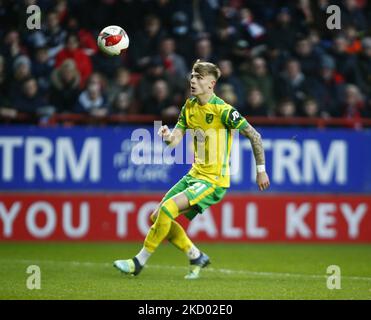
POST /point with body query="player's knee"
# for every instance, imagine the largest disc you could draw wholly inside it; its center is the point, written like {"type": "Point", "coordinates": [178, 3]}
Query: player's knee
{"type": "Point", "coordinates": [168, 210]}
{"type": "Point", "coordinates": [153, 216]}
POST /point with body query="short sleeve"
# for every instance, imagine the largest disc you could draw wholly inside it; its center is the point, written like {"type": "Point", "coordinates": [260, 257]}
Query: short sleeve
{"type": "Point", "coordinates": [232, 119]}
{"type": "Point", "coordinates": [182, 121]}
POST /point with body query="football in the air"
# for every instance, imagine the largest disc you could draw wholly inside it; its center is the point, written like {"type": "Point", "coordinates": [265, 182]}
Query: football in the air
{"type": "Point", "coordinates": [112, 40]}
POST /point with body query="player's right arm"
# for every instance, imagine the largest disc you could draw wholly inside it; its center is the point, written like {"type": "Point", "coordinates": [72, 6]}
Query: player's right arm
{"type": "Point", "coordinates": [172, 138]}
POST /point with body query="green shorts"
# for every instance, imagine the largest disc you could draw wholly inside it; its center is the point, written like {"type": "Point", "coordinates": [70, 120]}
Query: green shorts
{"type": "Point", "coordinates": [200, 193]}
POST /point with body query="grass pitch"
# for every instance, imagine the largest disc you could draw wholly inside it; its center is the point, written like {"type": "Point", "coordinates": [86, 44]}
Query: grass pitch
{"type": "Point", "coordinates": [238, 271]}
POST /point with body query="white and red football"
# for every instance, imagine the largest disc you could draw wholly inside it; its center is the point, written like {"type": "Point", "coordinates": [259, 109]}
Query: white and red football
{"type": "Point", "coordinates": [112, 40]}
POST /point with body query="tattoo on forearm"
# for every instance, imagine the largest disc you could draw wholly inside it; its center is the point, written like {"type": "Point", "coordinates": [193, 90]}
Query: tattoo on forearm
{"type": "Point", "coordinates": [256, 144]}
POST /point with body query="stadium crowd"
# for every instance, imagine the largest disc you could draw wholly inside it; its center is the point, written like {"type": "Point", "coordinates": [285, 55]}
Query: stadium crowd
{"type": "Point", "coordinates": [276, 57]}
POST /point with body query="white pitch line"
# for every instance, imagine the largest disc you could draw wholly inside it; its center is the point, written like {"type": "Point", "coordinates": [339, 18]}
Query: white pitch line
{"type": "Point", "coordinates": [208, 269]}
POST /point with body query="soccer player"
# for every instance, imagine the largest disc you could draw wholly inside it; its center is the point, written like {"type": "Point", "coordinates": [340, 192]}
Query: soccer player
{"type": "Point", "coordinates": [206, 183]}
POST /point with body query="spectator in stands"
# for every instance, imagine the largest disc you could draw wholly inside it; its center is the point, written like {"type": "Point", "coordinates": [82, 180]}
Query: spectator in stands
{"type": "Point", "coordinates": [226, 33]}
{"type": "Point", "coordinates": [171, 112]}
{"type": "Point", "coordinates": [276, 60]}
{"type": "Point", "coordinates": [4, 83]}
{"type": "Point", "coordinates": [74, 52]}
{"type": "Point", "coordinates": [286, 108]}
{"type": "Point", "coordinates": [240, 53]}
{"type": "Point", "coordinates": [92, 100]}
{"type": "Point", "coordinates": [159, 100]}
{"type": "Point", "coordinates": [42, 68]}
{"type": "Point", "coordinates": [352, 36]}
{"type": "Point", "coordinates": [107, 65]}
{"type": "Point", "coordinates": [353, 104]}
{"type": "Point", "coordinates": [204, 50]}
{"type": "Point", "coordinates": [255, 104]}
{"type": "Point", "coordinates": [258, 77]}
{"type": "Point", "coordinates": [227, 93]}
{"type": "Point", "coordinates": [282, 34]}
{"type": "Point", "coordinates": [9, 13]}
{"type": "Point", "coordinates": [61, 8]}
{"type": "Point", "coordinates": [310, 108]}
{"type": "Point", "coordinates": [346, 64]}
{"type": "Point", "coordinates": [121, 104]}
{"type": "Point", "coordinates": [320, 15]}
{"type": "Point", "coordinates": [99, 13]}
{"type": "Point", "coordinates": [365, 65]}
{"type": "Point", "coordinates": [156, 71]}
{"type": "Point", "coordinates": [292, 83]}
{"type": "Point", "coordinates": [22, 71]}
{"type": "Point", "coordinates": [87, 41]}
{"type": "Point", "coordinates": [65, 86]}
{"type": "Point", "coordinates": [146, 42]}
{"type": "Point", "coordinates": [316, 43]}
{"type": "Point", "coordinates": [12, 47]}
{"type": "Point", "coordinates": [53, 34]}
{"type": "Point", "coordinates": [330, 86]}
{"type": "Point", "coordinates": [303, 14]}
{"type": "Point", "coordinates": [5, 105]}
{"type": "Point", "coordinates": [29, 100]}
{"type": "Point", "coordinates": [174, 64]}
{"type": "Point", "coordinates": [182, 36]}
{"type": "Point", "coordinates": [120, 84]}
{"type": "Point", "coordinates": [307, 58]}
{"type": "Point", "coordinates": [250, 29]}
{"type": "Point", "coordinates": [162, 9]}
{"type": "Point", "coordinates": [352, 14]}
{"type": "Point", "coordinates": [202, 15]}
{"type": "Point", "coordinates": [228, 77]}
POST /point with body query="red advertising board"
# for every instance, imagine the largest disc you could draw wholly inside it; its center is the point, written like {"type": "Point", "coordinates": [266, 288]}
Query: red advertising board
{"type": "Point", "coordinates": [243, 217]}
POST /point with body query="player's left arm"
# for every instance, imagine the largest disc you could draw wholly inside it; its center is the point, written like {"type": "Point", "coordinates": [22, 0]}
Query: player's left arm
{"type": "Point", "coordinates": [232, 119]}
{"type": "Point", "coordinates": [254, 136]}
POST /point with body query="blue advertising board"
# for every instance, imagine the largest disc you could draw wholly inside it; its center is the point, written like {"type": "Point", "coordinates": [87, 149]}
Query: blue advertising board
{"type": "Point", "coordinates": [130, 158]}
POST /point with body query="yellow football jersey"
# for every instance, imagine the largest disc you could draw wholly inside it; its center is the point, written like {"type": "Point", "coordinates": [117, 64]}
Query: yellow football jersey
{"type": "Point", "coordinates": [211, 126]}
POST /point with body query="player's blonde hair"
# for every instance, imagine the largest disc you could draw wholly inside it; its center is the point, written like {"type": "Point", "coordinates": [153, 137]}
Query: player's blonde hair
{"type": "Point", "coordinates": [206, 68]}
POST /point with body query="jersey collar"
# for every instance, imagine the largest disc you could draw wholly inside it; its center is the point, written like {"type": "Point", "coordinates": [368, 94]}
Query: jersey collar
{"type": "Point", "coordinates": [209, 101]}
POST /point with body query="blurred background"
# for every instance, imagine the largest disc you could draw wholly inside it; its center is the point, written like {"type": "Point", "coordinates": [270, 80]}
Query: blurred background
{"type": "Point", "coordinates": [278, 58]}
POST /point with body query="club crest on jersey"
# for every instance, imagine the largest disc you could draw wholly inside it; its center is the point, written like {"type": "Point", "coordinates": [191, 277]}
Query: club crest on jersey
{"type": "Point", "coordinates": [209, 117]}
